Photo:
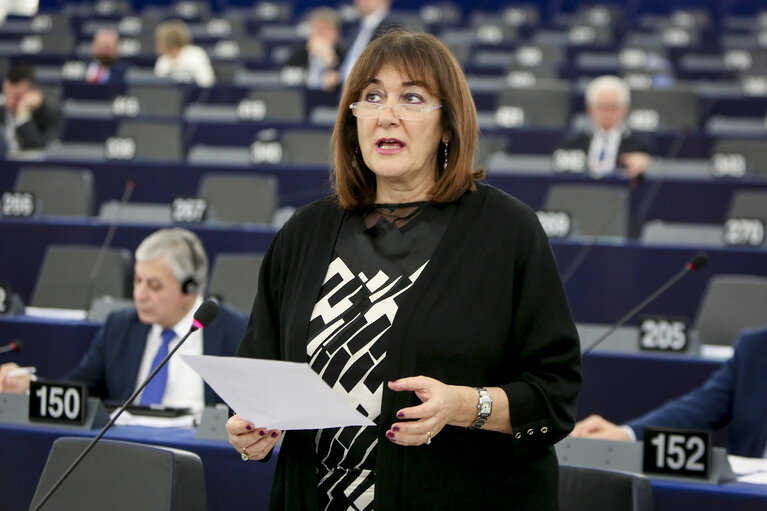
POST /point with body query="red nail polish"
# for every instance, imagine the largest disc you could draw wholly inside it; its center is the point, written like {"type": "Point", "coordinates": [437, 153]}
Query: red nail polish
{"type": "Point", "coordinates": [390, 434]}
{"type": "Point", "coordinates": [401, 415]}
{"type": "Point", "coordinates": [262, 432]}
{"type": "Point", "coordinates": [395, 428]}
{"type": "Point", "coordinates": [248, 427]}
{"type": "Point", "coordinates": [275, 434]}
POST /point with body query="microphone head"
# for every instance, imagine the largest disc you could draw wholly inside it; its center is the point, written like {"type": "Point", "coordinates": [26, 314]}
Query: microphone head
{"type": "Point", "coordinates": [698, 261]}
{"type": "Point", "coordinates": [204, 314]}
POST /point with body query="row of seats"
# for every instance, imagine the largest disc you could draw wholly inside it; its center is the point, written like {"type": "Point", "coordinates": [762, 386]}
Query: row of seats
{"type": "Point", "coordinates": [569, 209]}
{"type": "Point", "coordinates": [229, 198]}
{"type": "Point", "coordinates": [74, 277]}
{"type": "Point", "coordinates": [604, 211]}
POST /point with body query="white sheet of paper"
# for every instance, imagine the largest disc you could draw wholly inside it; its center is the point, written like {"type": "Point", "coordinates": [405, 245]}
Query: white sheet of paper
{"type": "Point", "coordinates": [275, 394]}
{"type": "Point", "coordinates": [743, 466]}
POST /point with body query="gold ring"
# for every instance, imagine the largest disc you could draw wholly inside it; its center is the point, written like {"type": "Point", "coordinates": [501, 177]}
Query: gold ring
{"type": "Point", "coordinates": [428, 437]}
{"type": "Point", "coordinates": [244, 454]}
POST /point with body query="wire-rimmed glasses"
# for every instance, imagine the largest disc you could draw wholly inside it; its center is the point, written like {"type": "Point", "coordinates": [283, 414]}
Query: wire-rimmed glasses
{"type": "Point", "coordinates": [403, 111]}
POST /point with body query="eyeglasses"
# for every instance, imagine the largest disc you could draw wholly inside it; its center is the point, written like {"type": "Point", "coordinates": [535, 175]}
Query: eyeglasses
{"type": "Point", "coordinates": [403, 111]}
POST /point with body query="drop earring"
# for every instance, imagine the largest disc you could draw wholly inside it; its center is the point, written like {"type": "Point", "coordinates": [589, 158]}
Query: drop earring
{"type": "Point", "coordinates": [444, 163]}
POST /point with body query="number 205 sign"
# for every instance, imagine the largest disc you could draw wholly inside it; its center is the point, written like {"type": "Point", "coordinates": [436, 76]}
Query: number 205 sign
{"type": "Point", "coordinates": [57, 402]}
{"type": "Point", "coordinates": [678, 452]}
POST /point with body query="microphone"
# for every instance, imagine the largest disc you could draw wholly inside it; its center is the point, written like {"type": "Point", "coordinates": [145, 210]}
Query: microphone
{"type": "Point", "coordinates": [203, 316]}
{"type": "Point", "coordinates": [696, 263]}
{"type": "Point", "coordinates": [127, 191]}
{"type": "Point", "coordinates": [11, 346]}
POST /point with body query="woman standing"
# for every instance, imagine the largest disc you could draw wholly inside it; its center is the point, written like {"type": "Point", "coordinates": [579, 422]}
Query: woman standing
{"type": "Point", "coordinates": [430, 301]}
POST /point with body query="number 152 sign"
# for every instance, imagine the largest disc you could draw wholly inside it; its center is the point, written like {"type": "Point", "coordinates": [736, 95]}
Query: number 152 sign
{"type": "Point", "coordinates": [685, 453]}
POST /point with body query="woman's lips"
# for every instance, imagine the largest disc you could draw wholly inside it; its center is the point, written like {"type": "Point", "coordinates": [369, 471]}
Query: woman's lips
{"type": "Point", "coordinates": [389, 146]}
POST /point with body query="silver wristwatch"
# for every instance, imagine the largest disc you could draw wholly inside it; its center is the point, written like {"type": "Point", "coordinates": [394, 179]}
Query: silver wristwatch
{"type": "Point", "coordinates": [484, 408]}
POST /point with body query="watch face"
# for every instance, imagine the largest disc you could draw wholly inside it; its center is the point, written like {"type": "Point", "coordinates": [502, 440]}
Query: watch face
{"type": "Point", "coordinates": [485, 408]}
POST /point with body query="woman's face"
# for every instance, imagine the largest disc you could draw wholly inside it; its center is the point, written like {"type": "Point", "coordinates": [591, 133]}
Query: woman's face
{"type": "Point", "coordinates": [400, 151]}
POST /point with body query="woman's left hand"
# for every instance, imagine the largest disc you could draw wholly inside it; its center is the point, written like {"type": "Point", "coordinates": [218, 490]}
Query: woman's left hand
{"type": "Point", "coordinates": [420, 424]}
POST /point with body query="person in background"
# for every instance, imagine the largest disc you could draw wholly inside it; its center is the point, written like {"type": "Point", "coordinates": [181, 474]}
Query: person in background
{"type": "Point", "coordinates": [611, 147]}
{"type": "Point", "coordinates": [170, 277]}
{"type": "Point", "coordinates": [178, 58]}
{"type": "Point", "coordinates": [428, 300]}
{"type": "Point", "coordinates": [105, 66]}
{"type": "Point", "coordinates": [29, 122]}
{"type": "Point", "coordinates": [321, 55]}
{"type": "Point", "coordinates": [374, 20]}
{"type": "Point", "coordinates": [734, 395]}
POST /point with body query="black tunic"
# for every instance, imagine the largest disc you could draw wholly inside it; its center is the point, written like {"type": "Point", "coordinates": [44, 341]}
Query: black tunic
{"type": "Point", "coordinates": [488, 310]}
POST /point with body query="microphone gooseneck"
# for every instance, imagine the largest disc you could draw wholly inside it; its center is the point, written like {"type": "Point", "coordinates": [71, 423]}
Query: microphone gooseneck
{"type": "Point", "coordinates": [697, 262]}
{"type": "Point", "coordinates": [129, 186]}
{"type": "Point", "coordinates": [202, 317]}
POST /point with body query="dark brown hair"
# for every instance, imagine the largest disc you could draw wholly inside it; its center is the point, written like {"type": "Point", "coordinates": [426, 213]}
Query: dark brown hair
{"type": "Point", "coordinates": [419, 57]}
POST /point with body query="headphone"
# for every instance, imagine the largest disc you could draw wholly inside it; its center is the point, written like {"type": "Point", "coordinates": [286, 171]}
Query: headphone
{"type": "Point", "coordinates": [190, 285]}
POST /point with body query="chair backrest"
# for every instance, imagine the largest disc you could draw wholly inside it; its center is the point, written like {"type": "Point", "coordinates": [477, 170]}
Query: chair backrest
{"type": "Point", "coordinates": [752, 152]}
{"type": "Point", "coordinates": [123, 476]}
{"type": "Point", "coordinates": [58, 191]}
{"type": "Point", "coordinates": [154, 140]}
{"type": "Point", "coordinates": [64, 279]}
{"type": "Point", "coordinates": [534, 106]}
{"type": "Point", "coordinates": [594, 210]}
{"type": "Point", "coordinates": [161, 100]}
{"type": "Point", "coordinates": [239, 197]}
{"type": "Point", "coordinates": [749, 204]}
{"type": "Point", "coordinates": [652, 109]}
{"type": "Point", "coordinates": [731, 303]}
{"type": "Point", "coordinates": [305, 147]}
{"type": "Point", "coordinates": [234, 279]}
{"type": "Point", "coordinates": [283, 105]}
{"type": "Point", "coordinates": [587, 489]}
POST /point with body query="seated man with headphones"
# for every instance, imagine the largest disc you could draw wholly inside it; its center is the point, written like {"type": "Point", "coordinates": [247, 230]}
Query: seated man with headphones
{"type": "Point", "coordinates": [170, 276]}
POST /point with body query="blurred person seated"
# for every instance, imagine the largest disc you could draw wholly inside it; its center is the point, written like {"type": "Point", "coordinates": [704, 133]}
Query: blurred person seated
{"type": "Point", "coordinates": [28, 121]}
{"type": "Point", "coordinates": [611, 146]}
{"type": "Point", "coordinates": [374, 21]}
{"type": "Point", "coordinates": [105, 66]}
{"type": "Point", "coordinates": [178, 58]}
{"type": "Point", "coordinates": [734, 395]}
{"type": "Point", "coordinates": [170, 277]}
{"type": "Point", "coordinates": [321, 55]}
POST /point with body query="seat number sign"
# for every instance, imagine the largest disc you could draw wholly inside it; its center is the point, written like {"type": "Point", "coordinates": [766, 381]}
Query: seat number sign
{"type": "Point", "coordinates": [58, 402]}
{"type": "Point", "coordinates": [678, 452]}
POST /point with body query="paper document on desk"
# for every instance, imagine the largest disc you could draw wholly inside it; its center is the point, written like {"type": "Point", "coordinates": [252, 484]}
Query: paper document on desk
{"type": "Point", "coordinates": [274, 394]}
{"type": "Point", "coordinates": [749, 470]}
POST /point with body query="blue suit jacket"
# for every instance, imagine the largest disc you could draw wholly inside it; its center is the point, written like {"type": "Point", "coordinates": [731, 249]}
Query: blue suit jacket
{"type": "Point", "coordinates": [735, 394]}
{"type": "Point", "coordinates": [111, 365]}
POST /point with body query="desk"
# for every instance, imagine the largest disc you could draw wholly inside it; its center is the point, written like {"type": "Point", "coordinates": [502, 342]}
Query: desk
{"type": "Point", "coordinates": [54, 346]}
{"type": "Point", "coordinates": [233, 484]}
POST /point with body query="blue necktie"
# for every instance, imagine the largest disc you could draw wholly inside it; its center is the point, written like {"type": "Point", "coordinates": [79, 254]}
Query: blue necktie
{"type": "Point", "coordinates": [155, 389]}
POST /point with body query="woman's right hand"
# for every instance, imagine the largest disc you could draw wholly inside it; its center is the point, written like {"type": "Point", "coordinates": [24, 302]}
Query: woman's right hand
{"type": "Point", "coordinates": [255, 443]}
{"type": "Point", "coordinates": [595, 426]}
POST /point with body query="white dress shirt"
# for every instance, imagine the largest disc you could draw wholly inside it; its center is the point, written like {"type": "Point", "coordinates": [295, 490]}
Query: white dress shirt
{"type": "Point", "coordinates": [185, 387]}
{"type": "Point", "coordinates": [603, 150]}
{"type": "Point", "coordinates": [192, 61]}
{"type": "Point", "coordinates": [368, 25]}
